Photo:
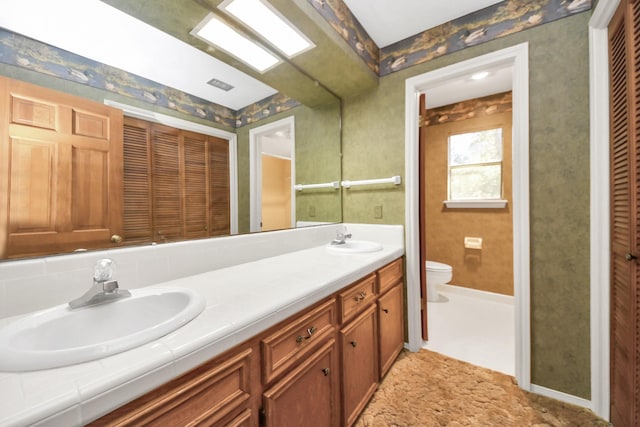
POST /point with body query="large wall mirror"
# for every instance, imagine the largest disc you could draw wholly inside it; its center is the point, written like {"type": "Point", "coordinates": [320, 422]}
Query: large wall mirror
{"type": "Point", "coordinates": [291, 96]}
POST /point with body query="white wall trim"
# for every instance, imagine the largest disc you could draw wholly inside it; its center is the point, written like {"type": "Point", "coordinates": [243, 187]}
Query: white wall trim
{"type": "Point", "coordinates": [255, 170]}
{"type": "Point", "coordinates": [518, 56]}
{"type": "Point", "coordinates": [152, 116]}
{"type": "Point", "coordinates": [558, 395]}
{"type": "Point", "coordinates": [600, 204]}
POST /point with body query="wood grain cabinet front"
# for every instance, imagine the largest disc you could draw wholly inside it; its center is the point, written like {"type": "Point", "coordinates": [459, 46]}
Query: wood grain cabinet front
{"type": "Point", "coordinates": [289, 344]}
{"type": "Point", "coordinates": [309, 395]}
{"type": "Point", "coordinates": [357, 297]}
{"type": "Point", "coordinates": [205, 396]}
{"type": "Point", "coordinates": [389, 275]}
{"type": "Point", "coordinates": [359, 347]}
{"type": "Point", "coordinates": [390, 327]}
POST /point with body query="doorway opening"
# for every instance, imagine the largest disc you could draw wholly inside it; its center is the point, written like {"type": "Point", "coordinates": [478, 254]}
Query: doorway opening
{"type": "Point", "coordinates": [466, 228]}
{"type": "Point", "coordinates": [517, 58]}
{"type": "Point", "coordinates": [272, 174]}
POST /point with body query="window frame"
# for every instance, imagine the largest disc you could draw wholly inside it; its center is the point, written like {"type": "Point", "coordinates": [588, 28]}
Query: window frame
{"type": "Point", "coordinates": [494, 202]}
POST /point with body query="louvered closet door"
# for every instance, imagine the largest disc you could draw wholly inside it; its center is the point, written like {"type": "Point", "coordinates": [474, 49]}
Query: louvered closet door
{"type": "Point", "coordinates": [220, 206]}
{"type": "Point", "coordinates": [195, 185]}
{"type": "Point", "coordinates": [625, 193]}
{"type": "Point", "coordinates": [138, 225]}
{"type": "Point", "coordinates": [166, 188]}
{"type": "Point", "coordinates": [176, 183]}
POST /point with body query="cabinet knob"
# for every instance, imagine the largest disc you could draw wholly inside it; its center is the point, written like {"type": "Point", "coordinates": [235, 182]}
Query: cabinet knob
{"type": "Point", "coordinates": [310, 332]}
{"type": "Point", "coordinates": [630, 257]}
{"type": "Point", "coordinates": [326, 371]}
{"type": "Point", "coordinates": [361, 296]}
{"type": "Point", "coordinates": [354, 343]}
{"type": "Point", "coordinates": [116, 239]}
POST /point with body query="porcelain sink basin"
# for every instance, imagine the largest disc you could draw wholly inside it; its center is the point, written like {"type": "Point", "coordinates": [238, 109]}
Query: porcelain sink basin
{"type": "Point", "coordinates": [355, 246]}
{"type": "Point", "coordinates": [59, 336]}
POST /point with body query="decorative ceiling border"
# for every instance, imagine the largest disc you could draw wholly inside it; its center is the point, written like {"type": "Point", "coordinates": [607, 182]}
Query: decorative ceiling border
{"type": "Point", "coordinates": [499, 20]}
{"type": "Point", "coordinates": [342, 20]}
{"type": "Point", "coordinates": [26, 53]}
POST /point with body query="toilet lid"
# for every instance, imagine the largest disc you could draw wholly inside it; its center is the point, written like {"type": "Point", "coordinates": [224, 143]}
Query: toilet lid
{"type": "Point", "coordinates": [437, 266]}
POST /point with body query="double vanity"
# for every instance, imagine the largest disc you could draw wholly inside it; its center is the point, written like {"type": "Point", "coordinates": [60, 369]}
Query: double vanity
{"type": "Point", "coordinates": [293, 326]}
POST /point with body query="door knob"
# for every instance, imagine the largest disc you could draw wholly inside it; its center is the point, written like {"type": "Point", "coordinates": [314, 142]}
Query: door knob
{"type": "Point", "coordinates": [116, 239]}
{"type": "Point", "coordinates": [630, 257]}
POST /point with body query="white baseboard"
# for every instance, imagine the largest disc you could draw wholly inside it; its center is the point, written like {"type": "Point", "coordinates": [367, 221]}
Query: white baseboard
{"type": "Point", "coordinates": [475, 293]}
{"type": "Point", "coordinates": [562, 397]}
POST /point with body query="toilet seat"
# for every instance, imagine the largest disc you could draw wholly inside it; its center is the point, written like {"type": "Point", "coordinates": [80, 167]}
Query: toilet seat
{"type": "Point", "coordinates": [437, 266]}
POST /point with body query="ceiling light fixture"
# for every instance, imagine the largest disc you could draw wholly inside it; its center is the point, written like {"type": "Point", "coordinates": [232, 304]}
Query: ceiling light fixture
{"type": "Point", "coordinates": [217, 33]}
{"type": "Point", "coordinates": [265, 20]}
{"type": "Point", "coordinates": [220, 84]}
{"type": "Point", "coordinates": [481, 75]}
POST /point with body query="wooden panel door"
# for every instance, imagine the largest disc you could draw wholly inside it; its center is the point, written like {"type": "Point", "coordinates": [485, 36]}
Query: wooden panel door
{"type": "Point", "coordinates": [624, 49]}
{"type": "Point", "coordinates": [309, 395]}
{"type": "Point", "coordinates": [359, 363]}
{"type": "Point", "coordinates": [62, 173]}
{"type": "Point", "coordinates": [391, 327]}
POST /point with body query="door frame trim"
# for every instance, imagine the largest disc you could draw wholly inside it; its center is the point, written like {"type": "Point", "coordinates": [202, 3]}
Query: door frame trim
{"type": "Point", "coordinates": [518, 56]}
{"type": "Point", "coordinates": [600, 235]}
{"type": "Point", "coordinates": [255, 170]}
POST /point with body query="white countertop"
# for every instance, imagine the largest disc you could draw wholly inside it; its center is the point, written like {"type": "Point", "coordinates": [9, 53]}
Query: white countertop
{"type": "Point", "coordinates": [242, 301]}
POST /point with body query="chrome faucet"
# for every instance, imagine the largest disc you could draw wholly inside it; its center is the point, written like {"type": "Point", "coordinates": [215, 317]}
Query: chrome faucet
{"type": "Point", "coordinates": [341, 237]}
{"type": "Point", "coordinates": [103, 290]}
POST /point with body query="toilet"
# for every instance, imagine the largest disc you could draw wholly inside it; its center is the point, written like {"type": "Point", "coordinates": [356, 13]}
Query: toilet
{"type": "Point", "coordinates": [437, 274]}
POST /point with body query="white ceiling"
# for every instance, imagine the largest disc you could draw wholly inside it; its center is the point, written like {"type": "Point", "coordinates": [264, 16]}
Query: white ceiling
{"type": "Point", "coordinates": [102, 33]}
{"type": "Point", "coordinates": [390, 21]}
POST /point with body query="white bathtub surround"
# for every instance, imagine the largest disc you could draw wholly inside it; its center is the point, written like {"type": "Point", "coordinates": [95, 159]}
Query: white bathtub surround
{"type": "Point", "coordinates": [250, 282]}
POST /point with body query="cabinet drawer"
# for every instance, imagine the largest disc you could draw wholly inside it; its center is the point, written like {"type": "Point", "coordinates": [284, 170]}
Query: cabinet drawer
{"type": "Point", "coordinates": [289, 344]}
{"type": "Point", "coordinates": [389, 275]}
{"type": "Point", "coordinates": [357, 298]}
{"type": "Point", "coordinates": [201, 397]}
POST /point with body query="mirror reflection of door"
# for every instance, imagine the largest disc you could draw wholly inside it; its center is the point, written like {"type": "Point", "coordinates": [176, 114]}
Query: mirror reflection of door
{"type": "Point", "coordinates": [276, 192]}
{"type": "Point", "coordinates": [273, 175]}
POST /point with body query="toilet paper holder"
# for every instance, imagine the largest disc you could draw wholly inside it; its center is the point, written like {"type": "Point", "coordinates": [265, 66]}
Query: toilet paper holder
{"type": "Point", "coordinates": [473, 242]}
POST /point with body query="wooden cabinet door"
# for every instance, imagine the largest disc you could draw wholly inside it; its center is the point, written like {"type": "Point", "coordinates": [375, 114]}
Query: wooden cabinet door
{"type": "Point", "coordinates": [309, 395]}
{"type": "Point", "coordinates": [62, 171]}
{"type": "Point", "coordinates": [359, 345]}
{"type": "Point", "coordinates": [391, 327]}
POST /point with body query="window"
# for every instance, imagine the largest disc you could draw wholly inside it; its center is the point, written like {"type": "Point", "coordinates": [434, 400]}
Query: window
{"type": "Point", "coordinates": [475, 166]}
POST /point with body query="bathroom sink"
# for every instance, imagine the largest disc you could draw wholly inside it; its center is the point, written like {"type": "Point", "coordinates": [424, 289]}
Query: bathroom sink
{"type": "Point", "coordinates": [355, 246]}
{"type": "Point", "coordinates": [59, 336]}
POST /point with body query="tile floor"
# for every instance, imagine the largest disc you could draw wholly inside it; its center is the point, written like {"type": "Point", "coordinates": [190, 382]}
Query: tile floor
{"type": "Point", "coordinates": [476, 327]}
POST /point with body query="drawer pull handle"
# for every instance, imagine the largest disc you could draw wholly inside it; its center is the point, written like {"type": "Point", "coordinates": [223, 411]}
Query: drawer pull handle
{"type": "Point", "coordinates": [326, 371]}
{"type": "Point", "coordinates": [361, 296]}
{"type": "Point", "coordinates": [310, 331]}
{"type": "Point", "coordinates": [386, 310]}
{"type": "Point", "coordinates": [354, 343]}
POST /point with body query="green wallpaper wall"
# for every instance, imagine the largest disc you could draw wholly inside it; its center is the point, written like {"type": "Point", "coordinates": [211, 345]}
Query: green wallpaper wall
{"type": "Point", "coordinates": [317, 157]}
{"type": "Point", "coordinates": [373, 147]}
